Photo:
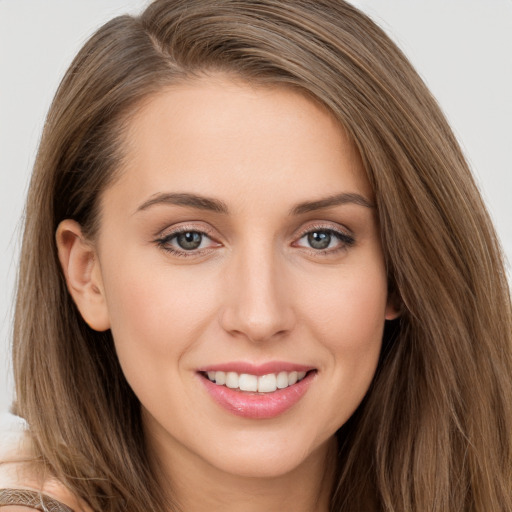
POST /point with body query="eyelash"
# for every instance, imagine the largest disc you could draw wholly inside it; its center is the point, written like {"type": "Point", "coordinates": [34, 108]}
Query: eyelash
{"type": "Point", "coordinates": [346, 241]}
{"type": "Point", "coordinates": [163, 242]}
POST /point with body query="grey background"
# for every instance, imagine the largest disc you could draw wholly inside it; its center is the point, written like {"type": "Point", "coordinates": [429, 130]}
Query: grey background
{"type": "Point", "coordinates": [462, 48]}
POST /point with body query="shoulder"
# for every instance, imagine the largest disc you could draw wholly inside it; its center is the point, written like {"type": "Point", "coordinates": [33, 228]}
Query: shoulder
{"type": "Point", "coordinates": [21, 477]}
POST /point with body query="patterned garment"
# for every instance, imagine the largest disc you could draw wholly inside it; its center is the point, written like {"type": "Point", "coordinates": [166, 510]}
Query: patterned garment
{"type": "Point", "coordinates": [31, 499]}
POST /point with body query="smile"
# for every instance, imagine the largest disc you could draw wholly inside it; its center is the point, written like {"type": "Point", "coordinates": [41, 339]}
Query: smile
{"type": "Point", "coordinates": [262, 392]}
{"type": "Point", "coordinates": [254, 383]}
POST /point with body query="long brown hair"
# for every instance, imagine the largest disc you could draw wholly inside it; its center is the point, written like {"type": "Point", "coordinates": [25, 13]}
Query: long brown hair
{"type": "Point", "coordinates": [434, 431]}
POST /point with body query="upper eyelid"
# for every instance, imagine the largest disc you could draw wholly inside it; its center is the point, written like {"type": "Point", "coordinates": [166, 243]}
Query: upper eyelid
{"type": "Point", "coordinates": [204, 227]}
{"type": "Point", "coordinates": [173, 231]}
{"type": "Point", "coordinates": [184, 227]}
{"type": "Point", "coordinates": [169, 232]}
{"type": "Point", "coordinates": [327, 226]}
{"type": "Point", "coordinates": [343, 236]}
{"type": "Point", "coordinates": [167, 238]}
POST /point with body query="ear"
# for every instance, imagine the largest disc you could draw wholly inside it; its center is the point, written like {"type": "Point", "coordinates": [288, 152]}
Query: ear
{"type": "Point", "coordinates": [393, 306]}
{"type": "Point", "coordinates": [83, 274]}
{"type": "Point", "coordinates": [392, 312]}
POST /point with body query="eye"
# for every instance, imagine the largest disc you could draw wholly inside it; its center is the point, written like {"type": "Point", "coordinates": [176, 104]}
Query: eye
{"type": "Point", "coordinates": [319, 239]}
{"type": "Point", "coordinates": [186, 242]}
{"type": "Point", "coordinates": [325, 241]}
{"type": "Point", "coordinates": [189, 240]}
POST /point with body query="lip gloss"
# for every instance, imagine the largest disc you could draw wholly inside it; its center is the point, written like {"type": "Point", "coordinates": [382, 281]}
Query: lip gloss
{"type": "Point", "coordinates": [258, 405]}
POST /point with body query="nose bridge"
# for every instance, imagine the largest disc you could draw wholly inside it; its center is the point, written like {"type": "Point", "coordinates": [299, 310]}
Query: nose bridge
{"type": "Point", "coordinates": [258, 305]}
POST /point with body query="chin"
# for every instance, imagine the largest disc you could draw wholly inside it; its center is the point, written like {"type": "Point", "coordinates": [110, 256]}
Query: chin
{"type": "Point", "coordinates": [271, 459]}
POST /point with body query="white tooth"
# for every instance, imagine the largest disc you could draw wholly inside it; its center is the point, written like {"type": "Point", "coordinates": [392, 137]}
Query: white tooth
{"type": "Point", "coordinates": [292, 378]}
{"type": "Point", "coordinates": [301, 375]}
{"type": "Point", "coordinates": [248, 382]}
{"type": "Point", "coordinates": [211, 376]}
{"type": "Point", "coordinates": [282, 380]}
{"type": "Point", "coordinates": [232, 380]}
{"type": "Point", "coordinates": [267, 383]}
{"type": "Point", "coordinates": [220, 378]}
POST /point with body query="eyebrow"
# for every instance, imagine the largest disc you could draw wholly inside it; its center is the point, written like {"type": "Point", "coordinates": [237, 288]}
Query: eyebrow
{"type": "Point", "coordinates": [217, 206]}
{"type": "Point", "coordinates": [328, 202]}
{"type": "Point", "coordinates": [184, 199]}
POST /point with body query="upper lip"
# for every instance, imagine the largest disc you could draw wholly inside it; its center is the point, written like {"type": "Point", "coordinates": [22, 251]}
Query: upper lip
{"type": "Point", "coordinates": [256, 369]}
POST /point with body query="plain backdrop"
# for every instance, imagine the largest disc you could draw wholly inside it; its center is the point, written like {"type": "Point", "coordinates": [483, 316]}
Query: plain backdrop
{"type": "Point", "coordinates": [462, 49]}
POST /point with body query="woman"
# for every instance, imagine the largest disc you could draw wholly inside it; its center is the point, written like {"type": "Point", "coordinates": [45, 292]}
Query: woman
{"type": "Point", "coordinates": [257, 275]}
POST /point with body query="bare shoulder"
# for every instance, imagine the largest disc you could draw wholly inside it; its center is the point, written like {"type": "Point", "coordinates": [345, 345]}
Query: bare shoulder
{"type": "Point", "coordinates": [23, 485]}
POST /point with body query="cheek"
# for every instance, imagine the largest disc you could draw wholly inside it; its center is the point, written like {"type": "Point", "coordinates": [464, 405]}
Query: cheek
{"type": "Point", "coordinates": [156, 315]}
{"type": "Point", "coordinates": [348, 309]}
{"type": "Point", "coordinates": [348, 317]}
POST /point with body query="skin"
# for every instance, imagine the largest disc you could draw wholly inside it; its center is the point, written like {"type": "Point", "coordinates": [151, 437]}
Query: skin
{"type": "Point", "coordinates": [18, 470]}
{"type": "Point", "coordinates": [255, 290]}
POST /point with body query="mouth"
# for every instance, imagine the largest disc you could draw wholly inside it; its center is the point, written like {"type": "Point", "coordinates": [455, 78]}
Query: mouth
{"type": "Point", "coordinates": [247, 382]}
{"type": "Point", "coordinates": [257, 394]}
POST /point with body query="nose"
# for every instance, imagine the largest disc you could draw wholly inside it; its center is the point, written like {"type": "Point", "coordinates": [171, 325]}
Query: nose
{"type": "Point", "coordinates": [258, 304]}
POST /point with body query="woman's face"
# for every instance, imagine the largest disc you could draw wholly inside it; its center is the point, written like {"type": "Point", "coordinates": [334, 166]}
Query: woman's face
{"type": "Point", "coordinates": [240, 246]}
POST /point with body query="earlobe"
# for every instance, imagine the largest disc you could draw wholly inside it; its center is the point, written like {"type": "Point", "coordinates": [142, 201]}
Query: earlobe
{"type": "Point", "coordinates": [83, 274]}
{"type": "Point", "coordinates": [392, 312]}
{"type": "Point", "coordinates": [393, 306]}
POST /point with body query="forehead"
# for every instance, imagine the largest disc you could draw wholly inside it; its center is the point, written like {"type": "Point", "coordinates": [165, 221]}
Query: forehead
{"type": "Point", "coordinates": [220, 136]}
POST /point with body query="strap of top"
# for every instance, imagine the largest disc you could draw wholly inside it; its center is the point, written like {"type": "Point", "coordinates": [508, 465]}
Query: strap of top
{"type": "Point", "coordinates": [32, 499]}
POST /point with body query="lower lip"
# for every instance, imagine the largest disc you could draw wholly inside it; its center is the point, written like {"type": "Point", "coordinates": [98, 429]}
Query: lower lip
{"type": "Point", "coordinates": [258, 405]}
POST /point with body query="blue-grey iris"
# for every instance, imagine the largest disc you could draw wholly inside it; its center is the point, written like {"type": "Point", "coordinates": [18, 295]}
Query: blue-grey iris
{"type": "Point", "coordinates": [319, 239]}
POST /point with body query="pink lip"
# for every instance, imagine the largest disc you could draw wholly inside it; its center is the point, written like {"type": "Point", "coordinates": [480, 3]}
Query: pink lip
{"type": "Point", "coordinates": [258, 405]}
{"type": "Point", "coordinates": [259, 369]}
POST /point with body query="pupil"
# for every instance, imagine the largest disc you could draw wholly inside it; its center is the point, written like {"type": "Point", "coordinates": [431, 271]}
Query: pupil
{"type": "Point", "coordinates": [319, 239]}
{"type": "Point", "coordinates": [189, 240]}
